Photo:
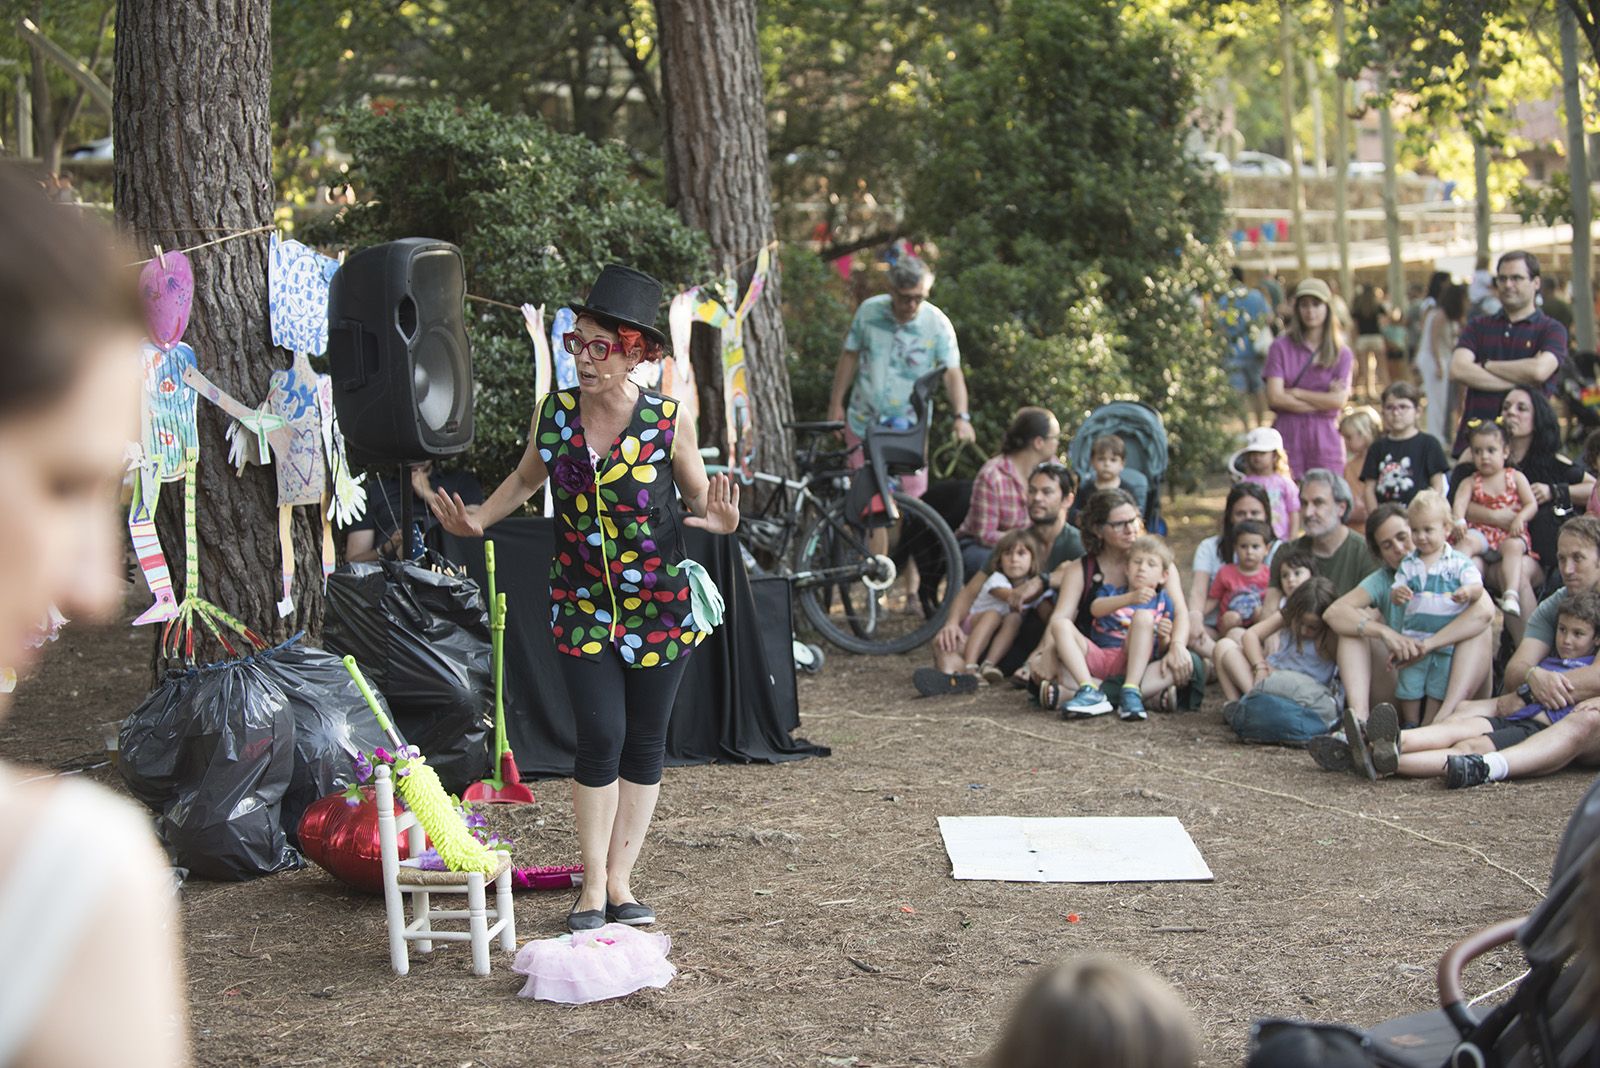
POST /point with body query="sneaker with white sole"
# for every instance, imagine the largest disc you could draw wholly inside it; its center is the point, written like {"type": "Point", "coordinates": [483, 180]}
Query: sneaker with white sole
{"type": "Point", "coordinates": [1465, 769]}
{"type": "Point", "coordinates": [1511, 604]}
{"type": "Point", "coordinates": [1132, 705]}
{"type": "Point", "coordinates": [1088, 701]}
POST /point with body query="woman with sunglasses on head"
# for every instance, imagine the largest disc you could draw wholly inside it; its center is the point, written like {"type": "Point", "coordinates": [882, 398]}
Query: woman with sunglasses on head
{"type": "Point", "coordinates": [88, 915]}
{"type": "Point", "coordinates": [621, 607]}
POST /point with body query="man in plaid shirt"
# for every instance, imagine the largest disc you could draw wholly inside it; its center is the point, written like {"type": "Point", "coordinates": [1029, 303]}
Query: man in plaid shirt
{"type": "Point", "coordinates": [1000, 492]}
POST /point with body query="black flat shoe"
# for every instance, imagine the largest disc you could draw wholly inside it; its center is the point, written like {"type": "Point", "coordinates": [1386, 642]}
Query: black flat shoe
{"type": "Point", "coordinates": [588, 920]}
{"type": "Point", "coordinates": [630, 913]}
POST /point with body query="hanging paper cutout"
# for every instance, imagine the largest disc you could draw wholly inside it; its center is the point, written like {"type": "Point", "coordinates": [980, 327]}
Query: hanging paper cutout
{"type": "Point", "coordinates": [566, 368]}
{"type": "Point", "coordinates": [299, 430]}
{"type": "Point", "coordinates": [166, 285]}
{"type": "Point", "coordinates": [677, 370]}
{"type": "Point", "coordinates": [543, 372]}
{"type": "Point", "coordinates": [738, 412]}
{"type": "Point", "coordinates": [166, 432]}
{"type": "Point", "coordinates": [297, 296]}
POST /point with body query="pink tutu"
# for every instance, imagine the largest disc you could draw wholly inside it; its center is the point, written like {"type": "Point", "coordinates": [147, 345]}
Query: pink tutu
{"type": "Point", "coordinates": [594, 965]}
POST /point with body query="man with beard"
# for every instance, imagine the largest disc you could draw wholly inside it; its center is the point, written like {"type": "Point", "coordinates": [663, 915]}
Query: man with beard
{"type": "Point", "coordinates": [1051, 489]}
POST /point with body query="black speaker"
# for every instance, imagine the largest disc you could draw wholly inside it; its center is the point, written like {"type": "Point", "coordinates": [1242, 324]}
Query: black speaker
{"type": "Point", "coordinates": [398, 352]}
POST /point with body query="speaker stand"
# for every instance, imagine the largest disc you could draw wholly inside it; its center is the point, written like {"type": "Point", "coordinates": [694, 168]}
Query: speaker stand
{"type": "Point", "coordinates": [408, 539]}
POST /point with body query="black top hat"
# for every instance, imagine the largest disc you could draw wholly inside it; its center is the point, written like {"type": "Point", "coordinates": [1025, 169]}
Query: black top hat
{"type": "Point", "coordinates": [626, 296]}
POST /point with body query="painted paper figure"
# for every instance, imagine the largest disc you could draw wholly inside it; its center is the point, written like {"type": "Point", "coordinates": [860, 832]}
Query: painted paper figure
{"type": "Point", "coordinates": [677, 370]}
{"type": "Point", "coordinates": [166, 433]}
{"type": "Point", "coordinates": [543, 371]}
{"type": "Point", "coordinates": [565, 367]}
{"type": "Point", "coordinates": [297, 426]}
{"type": "Point", "coordinates": [297, 296]}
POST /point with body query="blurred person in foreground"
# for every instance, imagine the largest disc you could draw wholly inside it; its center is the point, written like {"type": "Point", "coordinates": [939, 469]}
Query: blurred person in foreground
{"type": "Point", "coordinates": [88, 917]}
{"type": "Point", "coordinates": [1097, 1012]}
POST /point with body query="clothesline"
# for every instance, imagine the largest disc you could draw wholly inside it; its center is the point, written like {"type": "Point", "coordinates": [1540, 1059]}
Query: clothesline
{"type": "Point", "coordinates": [228, 236]}
{"type": "Point", "coordinates": [233, 235]}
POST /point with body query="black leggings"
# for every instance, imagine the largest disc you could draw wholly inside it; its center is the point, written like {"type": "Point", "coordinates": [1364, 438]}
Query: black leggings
{"type": "Point", "coordinates": [621, 716]}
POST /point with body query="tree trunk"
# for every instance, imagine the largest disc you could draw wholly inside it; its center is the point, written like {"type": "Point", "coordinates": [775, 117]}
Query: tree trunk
{"type": "Point", "coordinates": [716, 170]}
{"type": "Point", "coordinates": [193, 161]}
{"type": "Point", "coordinates": [1297, 189]}
{"type": "Point", "coordinates": [1391, 203]}
{"type": "Point", "coordinates": [1341, 156]}
{"type": "Point", "coordinates": [1319, 135]}
{"type": "Point", "coordinates": [1578, 173]}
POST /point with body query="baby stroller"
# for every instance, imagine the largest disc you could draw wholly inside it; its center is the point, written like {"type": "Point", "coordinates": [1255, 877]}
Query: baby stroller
{"type": "Point", "coordinates": [1546, 1020]}
{"type": "Point", "coordinates": [1145, 436]}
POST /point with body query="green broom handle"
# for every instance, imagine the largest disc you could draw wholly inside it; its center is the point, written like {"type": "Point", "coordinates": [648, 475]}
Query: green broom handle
{"type": "Point", "coordinates": [499, 632]}
{"type": "Point", "coordinates": [372, 701]}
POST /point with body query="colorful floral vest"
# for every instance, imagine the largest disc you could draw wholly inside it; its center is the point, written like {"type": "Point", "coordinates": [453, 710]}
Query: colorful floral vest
{"type": "Point", "coordinates": [615, 576]}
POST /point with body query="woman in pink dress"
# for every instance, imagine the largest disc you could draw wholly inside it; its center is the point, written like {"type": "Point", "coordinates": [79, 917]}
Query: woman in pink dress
{"type": "Point", "coordinates": [1308, 382]}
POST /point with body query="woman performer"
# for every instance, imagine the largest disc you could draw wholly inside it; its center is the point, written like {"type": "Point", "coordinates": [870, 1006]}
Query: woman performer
{"type": "Point", "coordinates": [620, 601]}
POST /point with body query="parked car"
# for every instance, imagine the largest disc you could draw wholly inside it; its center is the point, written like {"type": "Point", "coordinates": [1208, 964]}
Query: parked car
{"type": "Point", "coordinates": [1261, 163]}
{"type": "Point", "coordinates": [1214, 161]}
{"type": "Point", "coordinates": [97, 149]}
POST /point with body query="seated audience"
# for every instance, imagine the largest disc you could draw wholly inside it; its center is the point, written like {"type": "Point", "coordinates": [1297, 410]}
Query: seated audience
{"type": "Point", "coordinates": [991, 625]}
{"type": "Point", "coordinates": [1475, 735]}
{"type": "Point", "coordinates": [1099, 1012]}
{"type": "Point", "coordinates": [1263, 462]}
{"type": "Point", "coordinates": [1591, 466]}
{"type": "Point", "coordinates": [1240, 589]}
{"type": "Point", "coordinates": [1359, 428]}
{"type": "Point", "coordinates": [1576, 735]}
{"type": "Point", "coordinates": [1108, 460]}
{"type": "Point", "coordinates": [1505, 505]}
{"type": "Point", "coordinates": [1337, 553]}
{"type": "Point", "coordinates": [1404, 461]}
{"type": "Point", "coordinates": [1051, 488]}
{"type": "Point", "coordinates": [1115, 629]}
{"type": "Point", "coordinates": [1370, 629]}
{"type": "Point", "coordinates": [1432, 586]}
{"type": "Point", "coordinates": [1560, 486]}
{"type": "Point", "coordinates": [377, 533]}
{"type": "Point", "coordinates": [1310, 649]}
{"type": "Point", "coordinates": [1000, 492]}
{"type": "Point", "coordinates": [1246, 501]}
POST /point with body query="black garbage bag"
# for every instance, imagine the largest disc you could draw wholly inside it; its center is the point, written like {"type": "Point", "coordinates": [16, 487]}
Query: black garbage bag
{"type": "Point", "coordinates": [211, 750]}
{"type": "Point", "coordinates": [331, 724]}
{"type": "Point", "coordinates": [422, 639]}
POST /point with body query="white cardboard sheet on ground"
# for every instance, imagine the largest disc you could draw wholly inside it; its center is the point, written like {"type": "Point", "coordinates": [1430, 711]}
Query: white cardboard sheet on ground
{"type": "Point", "coordinates": [1094, 849]}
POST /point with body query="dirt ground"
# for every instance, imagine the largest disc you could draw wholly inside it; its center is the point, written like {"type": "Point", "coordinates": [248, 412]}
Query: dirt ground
{"type": "Point", "coordinates": [813, 916]}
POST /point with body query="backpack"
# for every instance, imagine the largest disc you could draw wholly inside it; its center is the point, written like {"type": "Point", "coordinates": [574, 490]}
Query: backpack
{"type": "Point", "coordinates": [1285, 708]}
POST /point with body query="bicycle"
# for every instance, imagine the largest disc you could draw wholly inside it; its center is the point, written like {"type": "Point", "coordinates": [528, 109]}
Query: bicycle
{"type": "Point", "coordinates": [819, 531]}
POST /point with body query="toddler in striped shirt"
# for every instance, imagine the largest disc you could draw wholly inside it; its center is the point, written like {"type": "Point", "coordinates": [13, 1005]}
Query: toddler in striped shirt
{"type": "Point", "coordinates": [1434, 582]}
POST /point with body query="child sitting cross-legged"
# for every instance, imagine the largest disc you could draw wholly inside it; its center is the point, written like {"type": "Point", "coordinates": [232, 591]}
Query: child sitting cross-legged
{"type": "Point", "coordinates": [1124, 640]}
{"type": "Point", "coordinates": [1310, 649]}
{"type": "Point", "coordinates": [1239, 590]}
{"type": "Point", "coordinates": [1506, 504]}
{"type": "Point", "coordinates": [1435, 583]}
{"type": "Point", "coordinates": [1464, 749]}
{"type": "Point", "coordinates": [991, 626]}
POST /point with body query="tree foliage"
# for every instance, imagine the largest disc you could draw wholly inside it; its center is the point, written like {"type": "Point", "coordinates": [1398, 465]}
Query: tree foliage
{"type": "Point", "coordinates": [536, 214]}
{"type": "Point", "coordinates": [1076, 234]}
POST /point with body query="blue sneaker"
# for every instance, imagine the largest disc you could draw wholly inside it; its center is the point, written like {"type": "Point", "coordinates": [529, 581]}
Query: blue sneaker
{"type": "Point", "coordinates": [1088, 701]}
{"type": "Point", "coordinates": [1132, 705]}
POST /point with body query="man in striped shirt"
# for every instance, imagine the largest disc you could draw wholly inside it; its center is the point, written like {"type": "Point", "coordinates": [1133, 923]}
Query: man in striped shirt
{"type": "Point", "coordinates": [1435, 583]}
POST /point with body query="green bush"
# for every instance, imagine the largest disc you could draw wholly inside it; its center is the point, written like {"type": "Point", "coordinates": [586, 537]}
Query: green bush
{"type": "Point", "coordinates": [1076, 234]}
{"type": "Point", "coordinates": [535, 213]}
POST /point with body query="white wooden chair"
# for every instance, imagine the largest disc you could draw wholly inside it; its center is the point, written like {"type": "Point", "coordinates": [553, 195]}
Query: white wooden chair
{"type": "Point", "coordinates": [400, 880]}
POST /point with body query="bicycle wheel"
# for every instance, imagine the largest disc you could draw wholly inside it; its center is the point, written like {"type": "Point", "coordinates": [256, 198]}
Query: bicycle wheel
{"type": "Point", "coordinates": [841, 582]}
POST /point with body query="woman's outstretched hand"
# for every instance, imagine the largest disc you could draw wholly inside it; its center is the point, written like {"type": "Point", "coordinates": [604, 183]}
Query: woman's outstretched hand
{"type": "Point", "coordinates": [458, 518]}
{"type": "Point", "coordinates": [722, 507]}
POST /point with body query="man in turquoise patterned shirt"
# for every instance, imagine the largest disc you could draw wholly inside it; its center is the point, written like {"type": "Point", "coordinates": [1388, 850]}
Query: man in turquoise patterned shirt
{"type": "Point", "coordinates": [895, 339]}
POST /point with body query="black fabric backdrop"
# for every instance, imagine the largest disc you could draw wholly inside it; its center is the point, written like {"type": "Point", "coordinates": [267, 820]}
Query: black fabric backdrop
{"type": "Point", "coordinates": [737, 702]}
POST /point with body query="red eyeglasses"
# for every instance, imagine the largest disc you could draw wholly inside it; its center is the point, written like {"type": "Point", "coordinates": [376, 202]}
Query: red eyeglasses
{"type": "Point", "coordinates": [599, 349]}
